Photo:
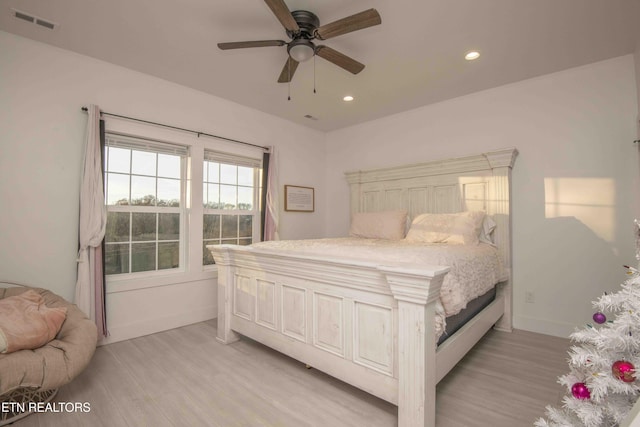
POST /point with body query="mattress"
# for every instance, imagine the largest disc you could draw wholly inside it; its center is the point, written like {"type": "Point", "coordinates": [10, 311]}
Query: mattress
{"type": "Point", "coordinates": [475, 306]}
{"type": "Point", "coordinates": [474, 269]}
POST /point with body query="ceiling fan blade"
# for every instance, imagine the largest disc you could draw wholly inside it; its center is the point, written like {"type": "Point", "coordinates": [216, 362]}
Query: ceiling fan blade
{"type": "Point", "coordinates": [257, 43]}
{"type": "Point", "coordinates": [280, 9]}
{"type": "Point", "coordinates": [359, 21]}
{"type": "Point", "coordinates": [341, 60]}
{"type": "Point", "coordinates": [289, 69]}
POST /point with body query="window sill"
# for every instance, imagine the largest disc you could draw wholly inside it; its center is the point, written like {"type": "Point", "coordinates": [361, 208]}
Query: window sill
{"type": "Point", "coordinates": [126, 284]}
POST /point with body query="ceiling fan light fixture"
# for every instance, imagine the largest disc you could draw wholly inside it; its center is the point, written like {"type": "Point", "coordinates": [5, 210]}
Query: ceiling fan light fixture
{"type": "Point", "coordinates": [301, 50]}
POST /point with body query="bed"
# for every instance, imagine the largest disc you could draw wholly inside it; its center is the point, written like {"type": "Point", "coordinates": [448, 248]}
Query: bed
{"type": "Point", "coordinates": [372, 320]}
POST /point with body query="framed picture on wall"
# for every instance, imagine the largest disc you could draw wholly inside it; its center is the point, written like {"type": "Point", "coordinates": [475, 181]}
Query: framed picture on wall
{"type": "Point", "coordinates": [298, 199]}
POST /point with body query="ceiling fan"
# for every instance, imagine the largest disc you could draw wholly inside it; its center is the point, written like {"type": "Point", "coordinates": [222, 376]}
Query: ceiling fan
{"type": "Point", "coordinates": [303, 27]}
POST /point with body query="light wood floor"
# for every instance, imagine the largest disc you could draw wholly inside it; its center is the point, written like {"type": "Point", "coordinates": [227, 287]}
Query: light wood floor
{"type": "Point", "coordinates": [184, 377]}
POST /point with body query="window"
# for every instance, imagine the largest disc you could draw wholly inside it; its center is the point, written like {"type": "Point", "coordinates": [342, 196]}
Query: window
{"type": "Point", "coordinates": [145, 197]}
{"type": "Point", "coordinates": [157, 227]}
{"type": "Point", "coordinates": [230, 200]}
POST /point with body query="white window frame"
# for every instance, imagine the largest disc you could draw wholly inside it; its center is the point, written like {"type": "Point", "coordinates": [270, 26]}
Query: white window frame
{"type": "Point", "coordinates": [240, 161]}
{"type": "Point", "coordinates": [117, 140]}
{"type": "Point", "coordinates": [192, 270]}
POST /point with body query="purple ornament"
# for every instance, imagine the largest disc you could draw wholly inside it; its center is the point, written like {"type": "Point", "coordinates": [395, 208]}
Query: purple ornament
{"type": "Point", "coordinates": [580, 391]}
{"type": "Point", "coordinates": [599, 318]}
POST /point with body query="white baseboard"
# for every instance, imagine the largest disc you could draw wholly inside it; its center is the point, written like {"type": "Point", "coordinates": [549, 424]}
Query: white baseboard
{"type": "Point", "coordinates": [146, 310]}
{"type": "Point", "coordinates": [159, 324]}
{"type": "Point", "coordinates": [542, 326]}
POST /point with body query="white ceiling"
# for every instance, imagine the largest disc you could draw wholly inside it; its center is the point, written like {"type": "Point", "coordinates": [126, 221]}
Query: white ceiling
{"type": "Point", "coordinates": [414, 58]}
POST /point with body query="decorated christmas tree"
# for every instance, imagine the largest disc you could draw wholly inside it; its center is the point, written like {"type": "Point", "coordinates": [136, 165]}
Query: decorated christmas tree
{"type": "Point", "coordinates": [602, 385]}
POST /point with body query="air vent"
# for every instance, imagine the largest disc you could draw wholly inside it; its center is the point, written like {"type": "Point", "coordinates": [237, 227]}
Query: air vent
{"type": "Point", "coordinates": [34, 19]}
{"type": "Point", "coordinates": [46, 24]}
{"type": "Point", "coordinates": [24, 16]}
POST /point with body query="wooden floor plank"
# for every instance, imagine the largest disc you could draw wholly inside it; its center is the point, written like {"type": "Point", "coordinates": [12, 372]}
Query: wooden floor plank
{"type": "Point", "coordinates": [185, 377]}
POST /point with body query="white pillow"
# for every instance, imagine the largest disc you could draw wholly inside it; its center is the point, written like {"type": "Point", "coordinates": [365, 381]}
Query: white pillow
{"type": "Point", "coordinates": [459, 228]}
{"type": "Point", "coordinates": [486, 231]}
{"type": "Point", "coordinates": [379, 225]}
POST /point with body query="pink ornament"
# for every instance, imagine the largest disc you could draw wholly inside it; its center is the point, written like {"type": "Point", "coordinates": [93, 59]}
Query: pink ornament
{"type": "Point", "coordinates": [624, 371]}
{"type": "Point", "coordinates": [580, 391]}
{"type": "Point", "coordinates": [599, 318]}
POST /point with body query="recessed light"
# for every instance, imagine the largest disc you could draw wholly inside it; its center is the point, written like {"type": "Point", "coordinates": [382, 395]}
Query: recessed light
{"type": "Point", "coordinates": [470, 56]}
{"type": "Point", "coordinates": [348, 98]}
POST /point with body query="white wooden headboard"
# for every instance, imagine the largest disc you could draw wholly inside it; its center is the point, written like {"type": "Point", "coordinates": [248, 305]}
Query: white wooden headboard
{"type": "Point", "coordinates": [478, 182]}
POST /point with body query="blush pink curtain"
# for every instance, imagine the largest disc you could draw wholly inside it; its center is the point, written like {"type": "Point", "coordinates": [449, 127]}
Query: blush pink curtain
{"type": "Point", "coordinates": [271, 214]}
{"type": "Point", "coordinates": [93, 217]}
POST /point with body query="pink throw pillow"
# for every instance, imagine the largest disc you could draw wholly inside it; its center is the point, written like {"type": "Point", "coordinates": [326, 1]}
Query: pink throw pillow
{"type": "Point", "coordinates": [27, 323]}
{"type": "Point", "coordinates": [379, 225]}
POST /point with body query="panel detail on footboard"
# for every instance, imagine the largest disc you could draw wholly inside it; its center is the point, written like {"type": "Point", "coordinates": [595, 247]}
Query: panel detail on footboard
{"type": "Point", "coordinates": [243, 297]}
{"type": "Point", "coordinates": [328, 323]}
{"type": "Point", "coordinates": [266, 313]}
{"type": "Point", "coordinates": [373, 342]}
{"type": "Point", "coordinates": [294, 312]}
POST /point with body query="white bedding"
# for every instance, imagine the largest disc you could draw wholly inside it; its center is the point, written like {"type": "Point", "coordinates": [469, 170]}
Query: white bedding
{"type": "Point", "coordinates": [474, 268]}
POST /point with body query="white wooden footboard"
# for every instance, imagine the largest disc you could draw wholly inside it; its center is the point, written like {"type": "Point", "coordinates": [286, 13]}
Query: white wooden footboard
{"type": "Point", "coordinates": [370, 326]}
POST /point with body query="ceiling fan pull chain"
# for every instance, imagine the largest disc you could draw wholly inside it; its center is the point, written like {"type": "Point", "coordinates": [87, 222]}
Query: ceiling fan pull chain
{"type": "Point", "coordinates": [289, 82]}
{"type": "Point", "coordinates": [314, 73]}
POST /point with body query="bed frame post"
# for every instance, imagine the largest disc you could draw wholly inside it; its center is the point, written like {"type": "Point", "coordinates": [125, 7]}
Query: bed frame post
{"type": "Point", "coordinates": [225, 285]}
{"type": "Point", "coordinates": [499, 205]}
{"type": "Point", "coordinates": [416, 291]}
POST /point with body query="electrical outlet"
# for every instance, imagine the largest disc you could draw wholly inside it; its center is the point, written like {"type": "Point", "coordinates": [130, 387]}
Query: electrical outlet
{"type": "Point", "coordinates": [529, 297]}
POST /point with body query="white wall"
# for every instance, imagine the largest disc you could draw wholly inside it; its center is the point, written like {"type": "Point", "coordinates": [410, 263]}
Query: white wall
{"type": "Point", "coordinates": [636, 57]}
{"type": "Point", "coordinates": [575, 182]}
{"type": "Point", "coordinates": [42, 89]}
